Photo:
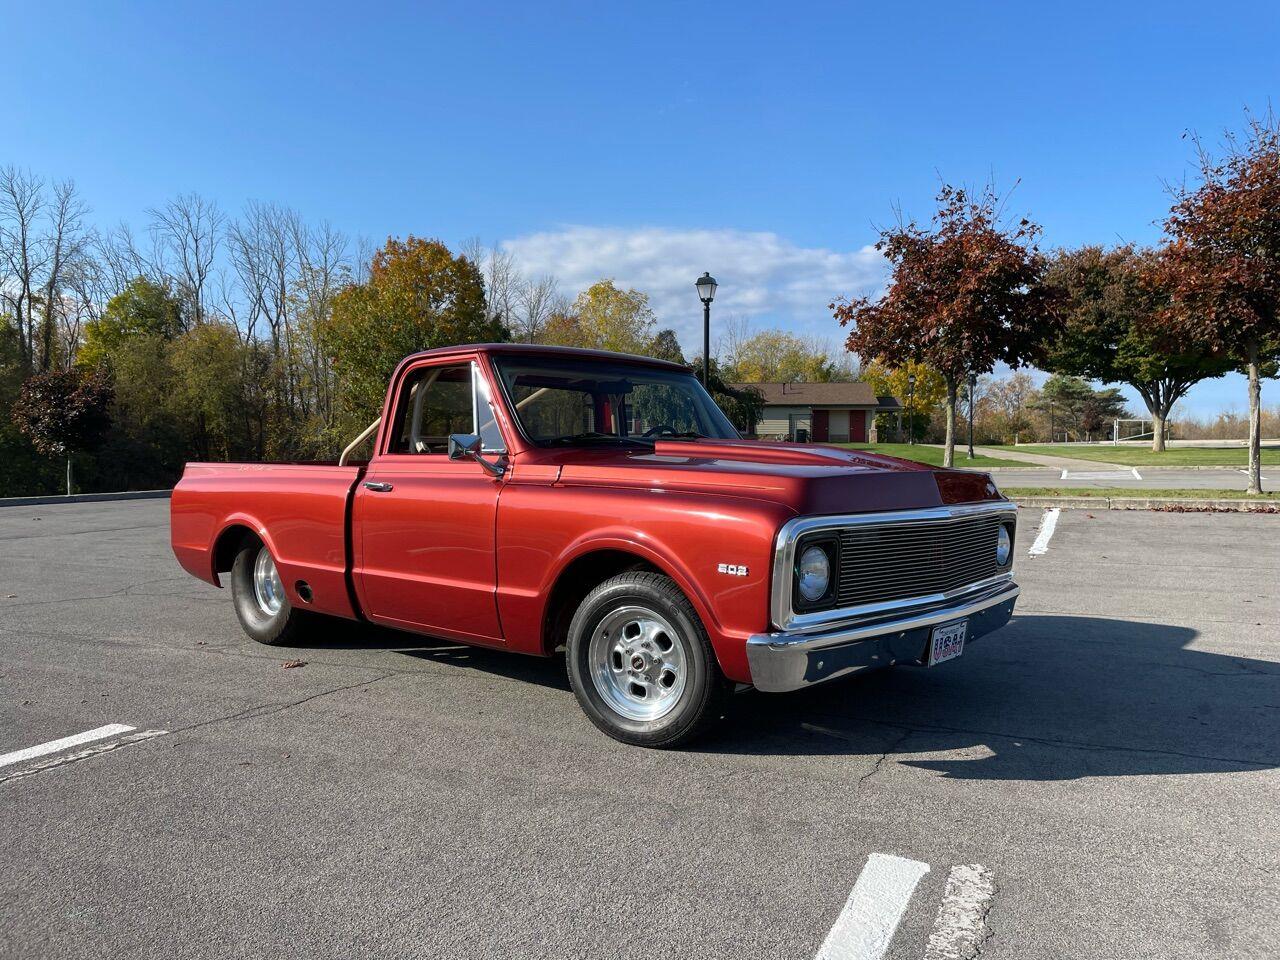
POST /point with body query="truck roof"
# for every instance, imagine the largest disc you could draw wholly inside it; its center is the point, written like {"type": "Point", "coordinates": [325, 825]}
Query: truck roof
{"type": "Point", "coordinates": [542, 350]}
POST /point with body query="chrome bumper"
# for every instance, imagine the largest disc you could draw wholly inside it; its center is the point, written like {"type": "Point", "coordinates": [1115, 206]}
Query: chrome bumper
{"type": "Point", "coordinates": [789, 661]}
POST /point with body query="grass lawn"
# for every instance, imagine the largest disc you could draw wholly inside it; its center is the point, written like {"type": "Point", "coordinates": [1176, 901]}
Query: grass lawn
{"type": "Point", "coordinates": [1014, 492]}
{"type": "Point", "coordinates": [1143, 457]}
{"type": "Point", "coordinates": [930, 455]}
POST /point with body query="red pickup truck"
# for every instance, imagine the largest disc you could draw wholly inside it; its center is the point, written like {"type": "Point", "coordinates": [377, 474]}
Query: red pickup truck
{"type": "Point", "coordinates": [540, 499]}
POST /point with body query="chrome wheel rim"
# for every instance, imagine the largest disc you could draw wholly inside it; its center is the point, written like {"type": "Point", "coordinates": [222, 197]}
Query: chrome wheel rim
{"type": "Point", "coordinates": [639, 664]}
{"type": "Point", "coordinates": [268, 591]}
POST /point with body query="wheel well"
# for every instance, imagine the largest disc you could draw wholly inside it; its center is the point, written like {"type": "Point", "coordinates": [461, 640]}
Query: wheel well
{"type": "Point", "coordinates": [228, 545]}
{"type": "Point", "coordinates": [578, 579]}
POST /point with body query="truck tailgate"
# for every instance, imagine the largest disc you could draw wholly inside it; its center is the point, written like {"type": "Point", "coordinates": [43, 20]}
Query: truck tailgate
{"type": "Point", "coordinates": [301, 511]}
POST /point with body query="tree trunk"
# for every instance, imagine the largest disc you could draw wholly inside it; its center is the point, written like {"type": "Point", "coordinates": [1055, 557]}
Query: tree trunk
{"type": "Point", "coordinates": [1255, 424]}
{"type": "Point", "coordinates": [1157, 432]}
{"type": "Point", "coordinates": [949, 452]}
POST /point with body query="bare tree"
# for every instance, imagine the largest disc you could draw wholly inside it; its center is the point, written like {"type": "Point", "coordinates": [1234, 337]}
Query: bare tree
{"type": "Point", "coordinates": [502, 280]}
{"type": "Point", "coordinates": [21, 204]}
{"type": "Point", "coordinates": [121, 261]}
{"type": "Point", "coordinates": [65, 243]}
{"type": "Point", "coordinates": [537, 300]}
{"type": "Point", "coordinates": [188, 229]}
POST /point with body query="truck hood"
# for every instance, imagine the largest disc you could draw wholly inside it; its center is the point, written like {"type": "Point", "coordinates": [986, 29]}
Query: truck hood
{"type": "Point", "coordinates": [808, 478]}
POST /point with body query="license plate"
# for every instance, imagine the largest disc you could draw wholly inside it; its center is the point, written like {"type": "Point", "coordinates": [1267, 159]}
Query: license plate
{"type": "Point", "coordinates": [947, 642]}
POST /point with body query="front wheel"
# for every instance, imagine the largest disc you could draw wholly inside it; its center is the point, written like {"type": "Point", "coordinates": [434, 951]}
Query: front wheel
{"type": "Point", "coordinates": [640, 662]}
{"type": "Point", "coordinates": [262, 607]}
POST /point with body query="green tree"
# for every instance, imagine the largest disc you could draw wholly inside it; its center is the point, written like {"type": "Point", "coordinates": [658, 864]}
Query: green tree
{"type": "Point", "coordinates": [1109, 299]}
{"type": "Point", "coordinates": [666, 346]}
{"type": "Point", "coordinates": [1072, 406]}
{"type": "Point", "coordinates": [743, 405]}
{"type": "Point", "coordinates": [144, 309]}
{"type": "Point", "coordinates": [418, 296]}
{"type": "Point", "coordinates": [208, 394]}
{"type": "Point", "coordinates": [64, 412]}
{"type": "Point", "coordinates": [966, 294]}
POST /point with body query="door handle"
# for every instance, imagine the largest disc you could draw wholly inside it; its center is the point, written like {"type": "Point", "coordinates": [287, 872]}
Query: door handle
{"type": "Point", "coordinates": [377, 487]}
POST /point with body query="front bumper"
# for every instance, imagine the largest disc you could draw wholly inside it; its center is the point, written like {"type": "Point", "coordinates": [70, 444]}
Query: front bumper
{"type": "Point", "coordinates": [789, 661]}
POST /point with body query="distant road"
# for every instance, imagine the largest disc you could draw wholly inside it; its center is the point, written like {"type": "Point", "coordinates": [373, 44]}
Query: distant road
{"type": "Point", "coordinates": [1156, 478]}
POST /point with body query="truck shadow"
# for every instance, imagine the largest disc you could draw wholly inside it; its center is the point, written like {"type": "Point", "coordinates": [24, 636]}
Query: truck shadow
{"type": "Point", "coordinates": [346, 635]}
{"type": "Point", "coordinates": [1045, 698]}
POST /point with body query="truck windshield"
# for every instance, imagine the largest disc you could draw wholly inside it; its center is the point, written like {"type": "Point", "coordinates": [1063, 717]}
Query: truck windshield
{"type": "Point", "coordinates": [570, 401]}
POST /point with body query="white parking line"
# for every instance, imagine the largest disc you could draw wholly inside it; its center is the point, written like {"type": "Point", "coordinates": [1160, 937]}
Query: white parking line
{"type": "Point", "coordinates": [1136, 474]}
{"type": "Point", "coordinates": [96, 748]}
{"type": "Point", "coordinates": [874, 909]}
{"type": "Point", "coordinates": [1048, 524]}
{"type": "Point", "coordinates": [1246, 473]}
{"type": "Point", "coordinates": [53, 746]}
{"type": "Point", "coordinates": [962, 919]}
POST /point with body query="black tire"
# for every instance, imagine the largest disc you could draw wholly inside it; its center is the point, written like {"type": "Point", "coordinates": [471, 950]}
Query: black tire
{"type": "Point", "coordinates": [605, 692]}
{"type": "Point", "coordinates": [279, 628]}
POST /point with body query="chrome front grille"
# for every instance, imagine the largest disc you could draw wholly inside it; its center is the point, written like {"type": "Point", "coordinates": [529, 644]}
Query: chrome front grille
{"type": "Point", "coordinates": [918, 558]}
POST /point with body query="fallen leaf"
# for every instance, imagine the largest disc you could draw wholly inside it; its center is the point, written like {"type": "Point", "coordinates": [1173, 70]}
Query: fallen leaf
{"type": "Point", "coordinates": [290, 664]}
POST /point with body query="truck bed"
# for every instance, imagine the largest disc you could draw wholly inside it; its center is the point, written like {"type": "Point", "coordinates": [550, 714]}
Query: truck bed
{"type": "Point", "coordinates": [302, 511]}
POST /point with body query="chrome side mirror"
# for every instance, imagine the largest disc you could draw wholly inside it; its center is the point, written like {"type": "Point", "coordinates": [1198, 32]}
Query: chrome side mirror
{"type": "Point", "coordinates": [468, 446]}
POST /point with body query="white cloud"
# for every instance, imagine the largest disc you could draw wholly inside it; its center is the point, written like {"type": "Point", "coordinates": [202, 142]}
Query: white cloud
{"type": "Point", "coordinates": [763, 277]}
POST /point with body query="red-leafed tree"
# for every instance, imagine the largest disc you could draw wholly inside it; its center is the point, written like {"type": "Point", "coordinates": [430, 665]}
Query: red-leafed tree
{"type": "Point", "coordinates": [1222, 262]}
{"type": "Point", "coordinates": [966, 293]}
{"type": "Point", "coordinates": [64, 412]}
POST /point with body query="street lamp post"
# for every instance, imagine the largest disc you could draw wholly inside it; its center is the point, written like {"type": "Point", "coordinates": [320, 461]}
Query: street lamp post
{"type": "Point", "coordinates": [911, 404]}
{"type": "Point", "coordinates": [706, 285]}
{"type": "Point", "coordinates": [973, 386]}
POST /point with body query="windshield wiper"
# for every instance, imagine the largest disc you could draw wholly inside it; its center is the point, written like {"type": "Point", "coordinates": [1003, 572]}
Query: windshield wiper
{"type": "Point", "coordinates": [687, 435]}
{"type": "Point", "coordinates": [592, 437]}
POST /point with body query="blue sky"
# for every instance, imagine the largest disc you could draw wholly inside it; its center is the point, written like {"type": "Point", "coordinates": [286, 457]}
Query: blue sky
{"type": "Point", "coordinates": [760, 141]}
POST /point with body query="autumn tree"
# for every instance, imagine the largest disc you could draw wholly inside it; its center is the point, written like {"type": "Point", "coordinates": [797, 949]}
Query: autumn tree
{"type": "Point", "coordinates": [1108, 300]}
{"type": "Point", "coordinates": [608, 318]}
{"type": "Point", "coordinates": [64, 412]}
{"type": "Point", "coordinates": [1010, 401]}
{"type": "Point", "coordinates": [918, 400]}
{"type": "Point", "coordinates": [1222, 262]}
{"type": "Point", "coordinates": [779, 356]}
{"type": "Point", "coordinates": [966, 294]}
{"type": "Point", "coordinates": [418, 296]}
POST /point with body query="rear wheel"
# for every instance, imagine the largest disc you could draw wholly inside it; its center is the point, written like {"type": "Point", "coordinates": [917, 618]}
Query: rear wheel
{"type": "Point", "coordinates": [641, 664]}
{"type": "Point", "coordinates": [261, 605]}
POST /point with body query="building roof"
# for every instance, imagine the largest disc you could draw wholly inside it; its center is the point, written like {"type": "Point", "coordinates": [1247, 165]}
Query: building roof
{"type": "Point", "coordinates": [855, 394]}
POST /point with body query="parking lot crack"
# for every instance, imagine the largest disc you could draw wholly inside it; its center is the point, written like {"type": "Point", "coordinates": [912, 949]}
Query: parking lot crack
{"type": "Point", "coordinates": [270, 709]}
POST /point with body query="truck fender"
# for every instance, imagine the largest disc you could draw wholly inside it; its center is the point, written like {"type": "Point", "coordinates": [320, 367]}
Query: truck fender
{"type": "Point", "coordinates": [648, 549]}
{"type": "Point", "coordinates": [245, 521]}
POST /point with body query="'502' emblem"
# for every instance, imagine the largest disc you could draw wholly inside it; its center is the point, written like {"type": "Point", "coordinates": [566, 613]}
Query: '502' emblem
{"type": "Point", "coordinates": [733, 569]}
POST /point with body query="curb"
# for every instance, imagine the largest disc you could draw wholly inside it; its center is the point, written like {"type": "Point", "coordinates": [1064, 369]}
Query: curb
{"type": "Point", "coordinates": [85, 498]}
{"type": "Point", "coordinates": [1152, 503]}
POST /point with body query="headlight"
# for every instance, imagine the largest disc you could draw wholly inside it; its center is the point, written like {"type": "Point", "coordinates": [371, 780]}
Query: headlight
{"type": "Point", "coordinates": [1004, 547]}
{"type": "Point", "coordinates": [813, 573]}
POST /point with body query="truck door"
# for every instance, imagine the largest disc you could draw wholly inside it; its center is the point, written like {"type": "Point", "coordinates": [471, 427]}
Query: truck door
{"type": "Point", "coordinates": [423, 525]}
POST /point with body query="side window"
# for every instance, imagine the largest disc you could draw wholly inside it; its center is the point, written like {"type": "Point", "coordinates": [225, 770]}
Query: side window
{"type": "Point", "coordinates": [438, 401]}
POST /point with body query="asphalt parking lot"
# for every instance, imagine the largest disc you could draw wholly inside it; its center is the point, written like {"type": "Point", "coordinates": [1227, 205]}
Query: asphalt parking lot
{"type": "Point", "coordinates": [1109, 760]}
